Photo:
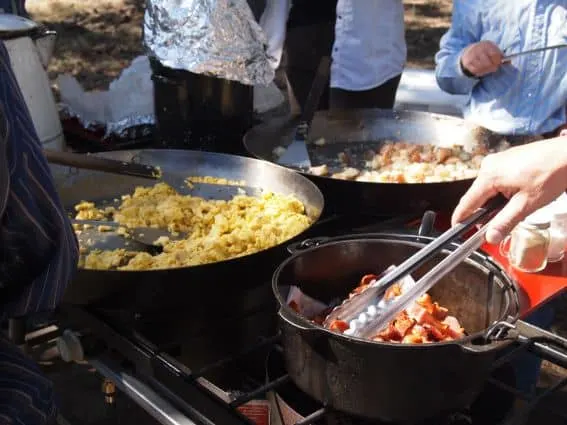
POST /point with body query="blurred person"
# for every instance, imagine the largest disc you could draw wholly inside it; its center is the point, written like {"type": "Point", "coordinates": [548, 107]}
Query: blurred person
{"type": "Point", "coordinates": [369, 53]}
{"type": "Point", "coordinates": [525, 96]}
{"type": "Point", "coordinates": [15, 7]}
{"type": "Point", "coordinates": [364, 38]}
{"type": "Point", "coordinates": [38, 253]}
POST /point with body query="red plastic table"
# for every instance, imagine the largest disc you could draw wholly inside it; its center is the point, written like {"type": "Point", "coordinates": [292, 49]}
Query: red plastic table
{"type": "Point", "coordinates": [537, 288]}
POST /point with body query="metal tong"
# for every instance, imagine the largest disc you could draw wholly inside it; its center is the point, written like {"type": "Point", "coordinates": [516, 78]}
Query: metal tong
{"type": "Point", "coordinates": [508, 58]}
{"type": "Point", "coordinates": [354, 306]}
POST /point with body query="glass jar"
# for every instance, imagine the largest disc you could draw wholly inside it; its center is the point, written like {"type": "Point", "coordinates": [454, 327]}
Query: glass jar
{"type": "Point", "coordinates": [527, 245]}
{"type": "Point", "coordinates": [558, 234]}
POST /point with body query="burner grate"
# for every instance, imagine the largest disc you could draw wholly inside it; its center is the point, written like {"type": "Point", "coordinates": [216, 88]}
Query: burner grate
{"type": "Point", "coordinates": [145, 358]}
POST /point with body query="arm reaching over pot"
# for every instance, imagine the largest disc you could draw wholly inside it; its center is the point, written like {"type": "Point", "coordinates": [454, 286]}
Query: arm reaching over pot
{"type": "Point", "coordinates": [530, 176]}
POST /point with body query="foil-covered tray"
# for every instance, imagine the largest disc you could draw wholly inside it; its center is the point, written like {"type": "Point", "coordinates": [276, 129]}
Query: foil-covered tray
{"type": "Point", "coordinates": [219, 38]}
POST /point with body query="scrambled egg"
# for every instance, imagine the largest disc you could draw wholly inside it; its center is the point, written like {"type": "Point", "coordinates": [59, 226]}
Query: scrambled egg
{"type": "Point", "coordinates": [217, 230]}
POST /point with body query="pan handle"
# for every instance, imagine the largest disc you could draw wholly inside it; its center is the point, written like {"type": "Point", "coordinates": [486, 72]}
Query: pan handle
{"type": "Point", "coordinates": [542, 343]}
{"type": "Point", "coordinates": [306, 244]}
{"type": "Point", "coordinates": [427, 226]}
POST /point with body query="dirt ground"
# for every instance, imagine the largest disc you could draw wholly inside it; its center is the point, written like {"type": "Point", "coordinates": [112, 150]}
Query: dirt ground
{"type": "Point", "coordinates": [98, 39]}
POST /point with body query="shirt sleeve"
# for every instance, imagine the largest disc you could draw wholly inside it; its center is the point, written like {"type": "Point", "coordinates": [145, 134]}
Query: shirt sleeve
{"type": "Point", "coordinates": [465, 30]}
{"type": "Point", "coordinates": [273, 22]}
{"type": "Point", "coordinates": [38, 248]}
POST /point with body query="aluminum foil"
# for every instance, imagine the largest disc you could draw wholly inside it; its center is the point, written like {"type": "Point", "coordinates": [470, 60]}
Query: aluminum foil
{"type": "Point", "coordinates": [124, 109]}
{"type": "Point", "coordinates": [121, 128]}
{"type": "Point", "coordinates": [219, 38]}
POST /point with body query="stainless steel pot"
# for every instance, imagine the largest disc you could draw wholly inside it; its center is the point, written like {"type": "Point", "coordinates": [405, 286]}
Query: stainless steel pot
{"type": "Point", "coordinates": [30, 47]}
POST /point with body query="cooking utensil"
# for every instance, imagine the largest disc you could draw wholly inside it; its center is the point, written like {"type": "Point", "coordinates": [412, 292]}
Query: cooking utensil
{"type": "Point", "coordinates": [158, 289]}
{"type": "Point", "coordinates": [296, 154]}
{"type": "Point", "coordinates": [177, 180]}
{"type": "Point", "coordinates": [358, 131]}
{"type": "Point", "coordinates": [342, 371]}
{"type": "Point", "coordinates": [92, 162]}
{"type": "Point", "coordinates": [97, 163]}
{"type": "Point", "coordinates": [143, 235]}
{"type": "Point", "coordinates": [355, 305]}
{"type": "Point", "coordinates": [508, 58]}
{"type": "Point", "coordinates": [441, 269]}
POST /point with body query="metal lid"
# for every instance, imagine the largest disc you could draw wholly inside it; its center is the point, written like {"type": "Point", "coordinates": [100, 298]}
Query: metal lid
{"type": "Point", "coordinates": [539, 219]}
{"type": "Point", "coordinates": [11, 25]}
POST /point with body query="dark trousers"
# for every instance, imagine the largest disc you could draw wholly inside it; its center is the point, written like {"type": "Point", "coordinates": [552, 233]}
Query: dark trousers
{"type": "Point", "coordinates": [304, 47]}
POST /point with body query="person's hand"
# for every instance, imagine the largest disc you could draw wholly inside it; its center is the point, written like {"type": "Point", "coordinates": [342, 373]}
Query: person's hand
{"type": "Point", "coordinates": [530, 176]}
{"type": "Point", "coordinates": [481, 58]}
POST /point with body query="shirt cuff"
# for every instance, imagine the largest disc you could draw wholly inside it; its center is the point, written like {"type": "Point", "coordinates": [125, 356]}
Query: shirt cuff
{"type": "Point", "coordinates": [462, 73]}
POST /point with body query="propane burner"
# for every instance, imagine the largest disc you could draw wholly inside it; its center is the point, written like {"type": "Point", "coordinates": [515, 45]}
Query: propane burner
{"type": "Point", "coordinates": [293, 407]}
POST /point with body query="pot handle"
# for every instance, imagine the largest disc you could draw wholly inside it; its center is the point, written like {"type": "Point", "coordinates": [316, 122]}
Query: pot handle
{"type": "Point", "coordinates": [427, 226]}
{"type": "Point", "coordinates": [306, 244]}
{"type": "Point", "coordinates": [545, 344]}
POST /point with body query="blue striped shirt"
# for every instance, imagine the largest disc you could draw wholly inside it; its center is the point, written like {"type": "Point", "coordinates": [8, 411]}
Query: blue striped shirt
{"type": "Point", "coordinates": [526, 97]}
{"type": "Point", "coordinates": [38, 251]}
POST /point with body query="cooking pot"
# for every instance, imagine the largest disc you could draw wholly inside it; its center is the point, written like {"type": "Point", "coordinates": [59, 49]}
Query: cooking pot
{"type": "Point", "coordinates": [400, 382]}
{"type": "Point", "coordinates": [30, 47]}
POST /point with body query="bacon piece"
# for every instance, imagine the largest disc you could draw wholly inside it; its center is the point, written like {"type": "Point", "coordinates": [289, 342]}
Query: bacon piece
{"type": "Point", "coordinates": [424, 322]}
{"type": "Point", "coordinates": [414, 154]}
{"type": "Point", "coordinates": [412, 339]}
{"type": "Point", "coordinates": [338, 325]}
{"type": "Point", "coordinates": [367, 279]}
{"type": "Point", "coordinates": [422, 316]}
{"type": "Point", "coordinates": [415, 311]}
{"type": "Point", "coordinates": [426, 302]}
{"type": "Point", "coordinates": [393, 291]}
{"type": "Point", "coordinates": [420, 331]}
{"type": "Point", "coordinates": [390, 334]}
{"type": "Point", "coordinates": [403, 323]}
{"type": "Point", "coordinates": [364, 282]}
{"type": "Point", "coordinates": [442, 154]}
{"type": "Point", "coordinates": [434, 333]}
{"type": "Point", "coordinates": [454, 328]}
{"type": "Point", "coordinates": [440, 313]}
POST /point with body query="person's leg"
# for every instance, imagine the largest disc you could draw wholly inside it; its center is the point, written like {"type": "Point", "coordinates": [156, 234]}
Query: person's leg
{"type": "Point", "coordinates": [383, 96]}
{"type": "Point", "coordinates": [15, 7]}
{"type": "Point", "coordinates": [304, 48]}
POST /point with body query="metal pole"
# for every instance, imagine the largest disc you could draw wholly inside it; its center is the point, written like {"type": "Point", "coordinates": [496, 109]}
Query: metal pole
{"type": "Point", "coordinates": [159, 408]}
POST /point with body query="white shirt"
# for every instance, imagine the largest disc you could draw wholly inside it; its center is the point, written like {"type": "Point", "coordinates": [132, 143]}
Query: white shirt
{"type": "Point", "coordinates": [369, 46]}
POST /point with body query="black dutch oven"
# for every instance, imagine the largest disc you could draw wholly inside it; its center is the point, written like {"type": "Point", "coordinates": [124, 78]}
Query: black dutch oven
{"type": "Point", "coordinates": [398, 382]}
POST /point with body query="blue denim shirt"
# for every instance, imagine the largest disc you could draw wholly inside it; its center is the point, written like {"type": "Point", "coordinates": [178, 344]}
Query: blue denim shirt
{"type": "Point", "coordinates": [526, 97]}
